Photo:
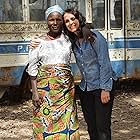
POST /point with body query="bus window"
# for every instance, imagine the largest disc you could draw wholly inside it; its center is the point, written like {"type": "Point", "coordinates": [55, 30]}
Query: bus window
{"type": "Point", "coordinates": [72, 4]}
{"type": "Point", "coordinates": [98, 13]}
{"type": "Point", "coordinates": [37, 9]}
{"type": "Point", "coordinates": [135, 9]}
{"type": "Point", "coordinates": [116, 14]}
{"type": "Point", "coordinates": [11, 10]}
{"type": "Point", "coordinates": [76, 4]}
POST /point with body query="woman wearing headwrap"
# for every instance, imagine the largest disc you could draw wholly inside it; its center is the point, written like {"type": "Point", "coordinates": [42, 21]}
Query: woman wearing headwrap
{"type": "Point", "coordinates": [54, 113]}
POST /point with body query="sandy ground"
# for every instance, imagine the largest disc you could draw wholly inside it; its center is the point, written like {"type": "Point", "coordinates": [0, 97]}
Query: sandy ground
{"type": "Point", "coordinates": [15, 119]}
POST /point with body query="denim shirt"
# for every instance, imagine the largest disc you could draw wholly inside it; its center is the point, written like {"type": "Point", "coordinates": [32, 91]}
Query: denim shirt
{"type": "Point", "coordinates": [94, 64]}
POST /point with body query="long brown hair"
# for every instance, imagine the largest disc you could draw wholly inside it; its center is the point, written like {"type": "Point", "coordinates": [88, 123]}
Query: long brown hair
{"type": "Point", "coordinates": [84, 29]}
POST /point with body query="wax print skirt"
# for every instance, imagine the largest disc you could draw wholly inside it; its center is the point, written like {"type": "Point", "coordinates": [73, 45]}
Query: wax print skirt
{"type": "Point", "coordinates": [56, 118]}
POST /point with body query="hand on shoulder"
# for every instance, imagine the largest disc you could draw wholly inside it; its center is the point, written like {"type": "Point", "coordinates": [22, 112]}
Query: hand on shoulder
{"type": "Point", "coordinates": [35, 41]}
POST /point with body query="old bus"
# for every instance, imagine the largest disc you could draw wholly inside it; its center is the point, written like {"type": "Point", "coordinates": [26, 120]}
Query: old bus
{"type": "Point", "coordinates": [20, 20]}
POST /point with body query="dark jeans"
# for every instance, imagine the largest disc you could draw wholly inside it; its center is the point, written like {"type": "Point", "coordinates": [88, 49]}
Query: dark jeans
{"type": "Point", "coordinates": [96, 114]}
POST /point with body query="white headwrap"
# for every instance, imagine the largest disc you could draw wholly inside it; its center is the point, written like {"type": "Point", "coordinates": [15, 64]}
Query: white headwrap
{"type": "Point", "coordinates": [55, 8]}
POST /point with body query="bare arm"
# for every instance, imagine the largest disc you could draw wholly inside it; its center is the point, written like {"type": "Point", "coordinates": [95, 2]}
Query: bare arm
{"type": "Point", "coordinates": [35, 96]}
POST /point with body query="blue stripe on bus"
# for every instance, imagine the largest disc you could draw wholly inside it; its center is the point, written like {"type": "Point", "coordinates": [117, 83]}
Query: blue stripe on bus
{"type": "Point", "coordinates": [14, 47]}
{"type": "Point", "coordinates": [129, 43]}
{"type": "Point", "coordinates": [22, 46]}
{"type": "Point", "coordinates": [133, 44]}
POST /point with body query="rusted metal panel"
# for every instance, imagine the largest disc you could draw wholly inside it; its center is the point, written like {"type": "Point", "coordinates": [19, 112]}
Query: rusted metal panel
{"type": "Point", "coordinates": [13, 60]}
{"type": "Point", "coordinates": [23, 27]}
{"type": "Point", "coordinates": [133, 69]}
{"type": "Point", "coordinates": [11, 76]}
{"type": "Point", "coordinates": [133, 59]}
{"type": "Point", "coordinates": [21, 31]}
{"type": "Point", "coordinates": [131, 25]}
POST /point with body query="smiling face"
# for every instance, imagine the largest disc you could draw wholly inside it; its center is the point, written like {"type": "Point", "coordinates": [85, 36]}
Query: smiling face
{"type": "Point", "coordinates": [55, 22]}
{"type": "Point", "coordinates": [71, 23]}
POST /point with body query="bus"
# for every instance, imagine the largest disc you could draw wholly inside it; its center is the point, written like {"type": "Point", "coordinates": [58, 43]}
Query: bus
{"type": "Point", "coordinates": [20, 20]}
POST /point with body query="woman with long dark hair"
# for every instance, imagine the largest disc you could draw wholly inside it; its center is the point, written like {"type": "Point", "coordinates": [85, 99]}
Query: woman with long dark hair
{"type": "Point", "coordinates": [92, 57]}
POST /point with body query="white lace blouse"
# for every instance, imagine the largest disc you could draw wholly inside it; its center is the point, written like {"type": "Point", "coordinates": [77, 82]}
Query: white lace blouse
{"type": "Point", "coordinates": [56, 51]}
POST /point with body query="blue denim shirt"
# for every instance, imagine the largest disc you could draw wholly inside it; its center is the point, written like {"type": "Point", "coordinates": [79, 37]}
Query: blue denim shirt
{"type": "Point", "coordinates": [94, 64]}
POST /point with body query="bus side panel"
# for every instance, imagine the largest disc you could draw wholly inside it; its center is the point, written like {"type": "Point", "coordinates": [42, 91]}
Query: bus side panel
{"type": "Point", "coordinates": [13, 60]}
{"type": "Point", "coordinates": [133, 58]}
{"type": "Point", "coordinates": [133, 69]}
{"type": "Point", "coordinates": [132, 32]}
{"type": "Point", "coordinates": [117, 56]}
{"type": "Point", "coordinates": [11, 76]}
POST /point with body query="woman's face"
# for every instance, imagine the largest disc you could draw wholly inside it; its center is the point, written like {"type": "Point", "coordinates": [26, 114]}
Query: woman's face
{"type": "Point", "coordinates": [71, 22]}
{"type": "Point", "coordinates": [55, 22]}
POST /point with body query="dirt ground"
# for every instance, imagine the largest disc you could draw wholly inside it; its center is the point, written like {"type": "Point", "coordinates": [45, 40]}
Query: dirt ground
{"type": "Point", "coordinates": [15, 118]}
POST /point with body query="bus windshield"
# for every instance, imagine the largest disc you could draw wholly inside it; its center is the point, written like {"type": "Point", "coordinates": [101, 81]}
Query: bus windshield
{"type": "Point", "coordinates": [11, 10]}
{"type": "Point", "coordinates": [116, 14]}
{"type": "Point", "coordinates": [33, 10]}
{"type": "Point", "coordinates": [21, 10]}
{"type": "Point", "coordinates": [98, 13]}
{"type": "Point", "coordinates": [135, 9]}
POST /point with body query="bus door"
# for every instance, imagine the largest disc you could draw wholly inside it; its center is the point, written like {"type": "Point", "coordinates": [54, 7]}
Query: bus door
{"type": "Point", "coordinates": [133, 38]}
{"type": "Point", "coordinates": [108, 17]}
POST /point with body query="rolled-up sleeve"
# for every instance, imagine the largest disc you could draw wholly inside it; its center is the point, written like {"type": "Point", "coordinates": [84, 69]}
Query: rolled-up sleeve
{"type": "Point", "coordinates": [33, 60]}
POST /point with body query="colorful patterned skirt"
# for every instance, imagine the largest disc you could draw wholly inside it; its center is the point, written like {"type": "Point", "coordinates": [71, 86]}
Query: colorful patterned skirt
{"type": "Point", "coordinates": [56, 118]}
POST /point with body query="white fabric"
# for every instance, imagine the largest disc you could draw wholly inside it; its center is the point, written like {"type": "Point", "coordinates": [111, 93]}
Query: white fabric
{"type": "Point", "coordinates": [55, 8]}
{"type": "Point", "coordinates": [56, 51]}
